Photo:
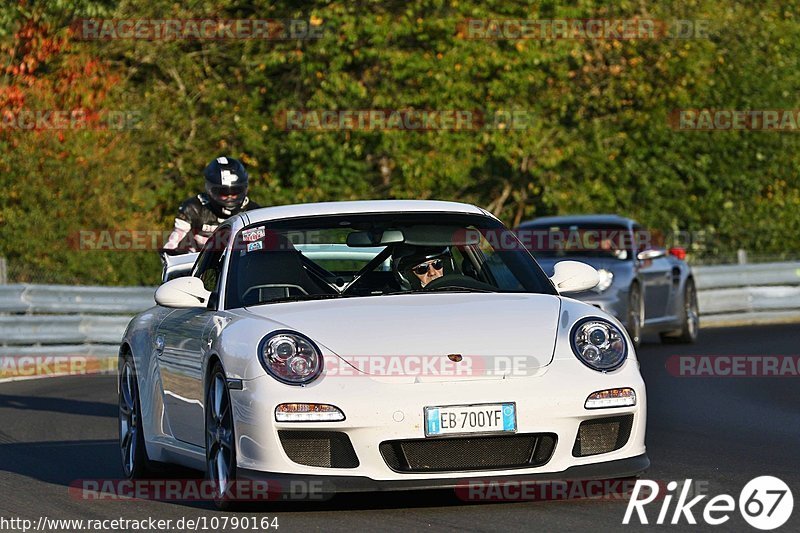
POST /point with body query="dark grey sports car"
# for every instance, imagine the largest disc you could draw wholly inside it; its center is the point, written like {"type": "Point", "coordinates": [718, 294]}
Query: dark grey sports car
{"type": "Point", "coordinates": [644, 286]}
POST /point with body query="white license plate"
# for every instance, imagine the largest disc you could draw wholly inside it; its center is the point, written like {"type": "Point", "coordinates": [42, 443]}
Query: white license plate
{"type": "Point", "coordinates": [464, 419]}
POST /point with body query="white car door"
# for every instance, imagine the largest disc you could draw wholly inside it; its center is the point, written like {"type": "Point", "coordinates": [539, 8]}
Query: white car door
{"type": "Point", "coordinates": [183, 343]}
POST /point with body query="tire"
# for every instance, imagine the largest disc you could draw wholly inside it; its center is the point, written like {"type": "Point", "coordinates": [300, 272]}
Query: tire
{"type": "Point", "coordinates": [635, 319]}
{"type": "Point", "coordinates": [220, 439]}
{"type": "Point", "coordinates": [135, 463]}
{"type": "Point", "coordinates": [690, 318]}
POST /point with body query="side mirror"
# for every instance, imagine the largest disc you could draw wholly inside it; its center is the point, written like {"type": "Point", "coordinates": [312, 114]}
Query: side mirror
{"type": "Point", "coordinates": [176, 266]}
{"type": "Point", "coordinates": [182, 293]}
{"type": "Point", "coordinates": [651, 253]}
{"type": "Point", "coordinates": [574, 276]}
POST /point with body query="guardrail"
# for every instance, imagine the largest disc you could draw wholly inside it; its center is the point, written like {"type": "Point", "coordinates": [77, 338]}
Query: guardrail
{"type": "Point", "coordinates": [63, 320]}
{"type": "Point", "coordinates": [58, 319]}
{"type": "Point", "coordinates": [748, 294]}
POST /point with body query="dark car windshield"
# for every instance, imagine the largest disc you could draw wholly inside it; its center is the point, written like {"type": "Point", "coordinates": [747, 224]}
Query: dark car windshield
{"type": "Point", "coordinates": [577, 240]}
{"type": "Point", "coordinates": [377, 254]}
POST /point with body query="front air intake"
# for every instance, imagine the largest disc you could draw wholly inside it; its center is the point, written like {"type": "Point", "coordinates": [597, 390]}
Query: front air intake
{"type": "Point", "coordinates": [325, 449]}
{"type": "Point", "coordinates": [456, 454]}
{"type": "Point", "coordinates": [602, 435]}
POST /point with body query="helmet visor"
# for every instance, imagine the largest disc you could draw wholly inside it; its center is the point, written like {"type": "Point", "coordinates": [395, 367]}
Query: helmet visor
{"type": "Point", "coordinates": [229, 196]}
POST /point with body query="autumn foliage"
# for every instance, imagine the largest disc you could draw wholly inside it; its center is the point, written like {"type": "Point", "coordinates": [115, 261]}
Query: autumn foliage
{"type": "Point", "coordinates": [599, 138]}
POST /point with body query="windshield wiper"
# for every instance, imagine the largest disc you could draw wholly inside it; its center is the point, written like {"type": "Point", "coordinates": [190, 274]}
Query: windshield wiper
{"type": "Point", "coordinates": [456, 289]}
{"type": "Point", "coordinates": [301, 298]}
{"type": "Point", "coordinates": [442, 289]}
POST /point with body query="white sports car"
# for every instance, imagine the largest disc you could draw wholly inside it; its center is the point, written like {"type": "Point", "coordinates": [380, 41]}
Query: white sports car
{"type": "Point", "coordinates": [378, 345]}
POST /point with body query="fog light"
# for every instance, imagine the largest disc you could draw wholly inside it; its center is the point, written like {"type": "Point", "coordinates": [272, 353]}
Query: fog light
{"type": "Point", "coordinates": [308, 412]}
{"type": "Point", "coordinates": [611, 398]}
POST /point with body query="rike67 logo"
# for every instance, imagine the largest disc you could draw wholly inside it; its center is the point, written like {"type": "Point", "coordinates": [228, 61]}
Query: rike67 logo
{"type": "Point", "coordinates": [765, 503]}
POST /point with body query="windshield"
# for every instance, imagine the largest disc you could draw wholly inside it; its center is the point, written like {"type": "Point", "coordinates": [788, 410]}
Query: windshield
{"type": "Point", "coordinates": [577, 240]}
{"type": "Point", "coordinates": [375, 255]}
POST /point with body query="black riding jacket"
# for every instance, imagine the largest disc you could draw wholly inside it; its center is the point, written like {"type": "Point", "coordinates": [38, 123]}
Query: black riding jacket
{"type": "Point", "coordinates": [197, 219]}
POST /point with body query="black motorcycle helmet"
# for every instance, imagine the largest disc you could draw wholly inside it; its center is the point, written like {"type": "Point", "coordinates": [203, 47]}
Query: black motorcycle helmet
{"type": "Point", "coordinates": [226, 182]}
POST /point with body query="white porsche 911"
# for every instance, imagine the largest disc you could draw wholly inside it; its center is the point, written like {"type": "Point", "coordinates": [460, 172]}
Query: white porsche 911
{"type": "Point", "coordinates": [378, 345]}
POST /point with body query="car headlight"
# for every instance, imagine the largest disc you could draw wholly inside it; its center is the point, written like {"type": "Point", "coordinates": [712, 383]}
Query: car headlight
{"type": "Point", "coordinates": [599, 344]}
{"type": "Point", "coordinates": [606, 278]}
{"type": "Point", "coordinates": [290, 357]}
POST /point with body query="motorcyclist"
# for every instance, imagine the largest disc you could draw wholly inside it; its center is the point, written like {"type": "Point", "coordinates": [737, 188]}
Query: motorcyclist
{"type": "Point", "coordinates": [198, 217]}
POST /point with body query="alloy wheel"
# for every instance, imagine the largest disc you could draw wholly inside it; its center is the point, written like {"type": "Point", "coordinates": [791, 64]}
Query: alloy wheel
{"type": "Point", "coordinates": [128, 418]}
{"type": "Point", "coordinates": [220, 453]}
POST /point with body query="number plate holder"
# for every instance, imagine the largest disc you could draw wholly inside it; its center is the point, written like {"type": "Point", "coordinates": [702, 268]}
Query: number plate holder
{"type": "Point", "coordinates": [474, 419]}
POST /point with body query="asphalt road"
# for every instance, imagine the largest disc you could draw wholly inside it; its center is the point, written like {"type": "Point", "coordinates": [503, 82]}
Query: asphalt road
{"type": "Point", "coordinates": [721, 432]}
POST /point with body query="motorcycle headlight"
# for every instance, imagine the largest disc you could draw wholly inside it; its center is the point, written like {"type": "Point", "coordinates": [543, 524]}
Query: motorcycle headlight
{"type": "Point", "coordinates": [606, 278]}
{"type": "Point", "coordinates": [599, 344]}
{"type": "Point", "coordinates": [290, 357]}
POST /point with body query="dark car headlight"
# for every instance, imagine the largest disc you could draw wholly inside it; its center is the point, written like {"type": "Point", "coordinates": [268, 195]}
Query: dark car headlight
{"type": "Point", "coordinates": [290, 357]}
{"type": "Point", "coordinates": [599, 344]}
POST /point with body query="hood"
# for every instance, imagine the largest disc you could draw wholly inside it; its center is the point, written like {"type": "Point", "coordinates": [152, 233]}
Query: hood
{"type": "Point", "coordinates": [489, 331]}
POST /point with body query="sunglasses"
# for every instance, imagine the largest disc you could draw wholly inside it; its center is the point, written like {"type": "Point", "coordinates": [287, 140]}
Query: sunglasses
{"type": "Point", "coordinates": [422, 269]}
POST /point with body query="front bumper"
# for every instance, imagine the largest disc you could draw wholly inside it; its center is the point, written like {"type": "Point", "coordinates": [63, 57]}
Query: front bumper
{"type": "Point", "coordinates": [552, 401]}
{"type": "Point", "coordinates": [327, 484]}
